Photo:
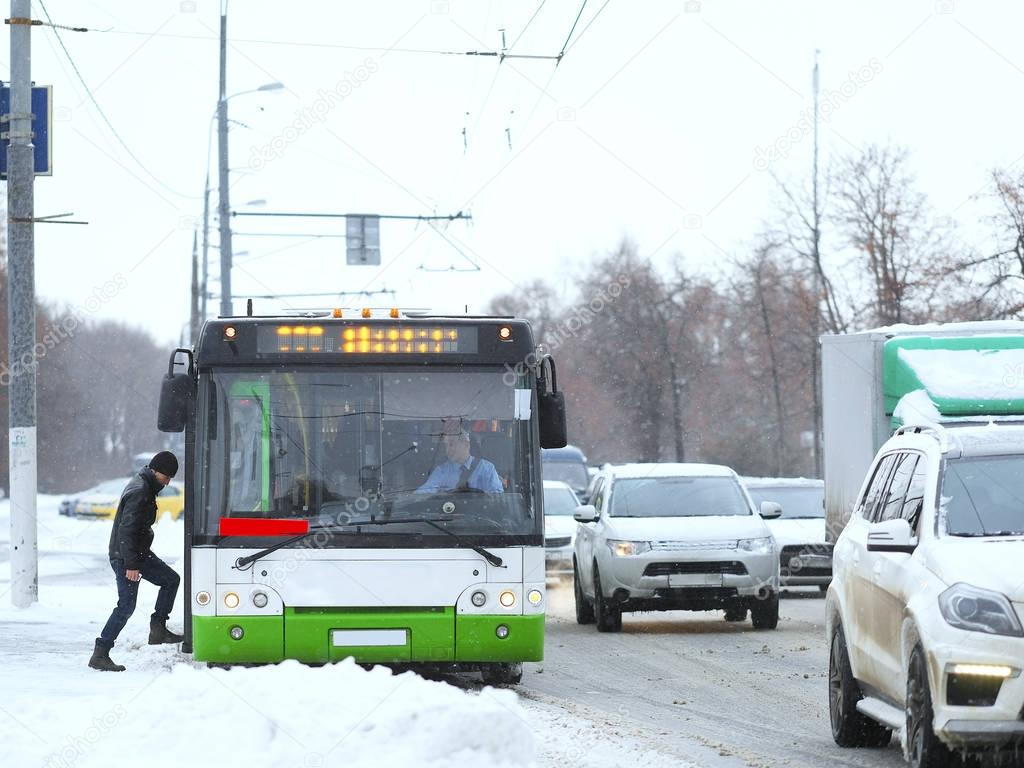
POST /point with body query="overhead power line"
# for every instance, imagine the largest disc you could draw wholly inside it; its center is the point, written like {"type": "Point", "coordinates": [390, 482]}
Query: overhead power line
{"type": "Point", "coordinates": [124, 145]}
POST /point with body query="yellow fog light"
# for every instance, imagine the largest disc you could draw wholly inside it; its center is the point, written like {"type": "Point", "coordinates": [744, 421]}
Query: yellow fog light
{"type": "Point", "coordinates": [535, 597]}
{"type": "Point", "coordinates": [231, 600]}
{"type": "Point", "coordinates": [983, 670]}
{"type": "Point", "coordinates": [507, 599]}
{"type": "Point", "coordinates": [203, 598]}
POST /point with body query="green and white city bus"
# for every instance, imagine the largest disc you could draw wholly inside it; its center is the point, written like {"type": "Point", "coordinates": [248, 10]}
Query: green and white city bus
{"type": "Point", "coordinates": [331, 510]}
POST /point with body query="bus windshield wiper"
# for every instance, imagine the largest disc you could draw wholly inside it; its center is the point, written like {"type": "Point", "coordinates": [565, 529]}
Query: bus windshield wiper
{"type": "Point", "coordinates": [242, 562]}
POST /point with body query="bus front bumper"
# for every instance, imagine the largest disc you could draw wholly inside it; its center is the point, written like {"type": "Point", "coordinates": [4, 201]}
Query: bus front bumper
{"type": "Point", "coordinates": [320, 635]}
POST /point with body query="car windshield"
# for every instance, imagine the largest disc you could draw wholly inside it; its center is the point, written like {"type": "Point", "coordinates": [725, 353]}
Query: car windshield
{"type": "Point", "coordinates": [678, 497]}
{"type": "Point", "coordinates": [560, 502]}
{"type": "Point", "coordinates": [573, 474]}
{"type": "Point", "coordinates": [351, 446]}
{"type": "Point", "coordinates": [984, 496]}
{"type": "Point", "coordinates": [798, 502]}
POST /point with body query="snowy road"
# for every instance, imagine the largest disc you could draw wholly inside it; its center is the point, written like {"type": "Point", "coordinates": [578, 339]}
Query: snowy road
{"type": "Point", "coordinates": [715, 693]}
{"type": "Point", "coordinates": [671, 690]}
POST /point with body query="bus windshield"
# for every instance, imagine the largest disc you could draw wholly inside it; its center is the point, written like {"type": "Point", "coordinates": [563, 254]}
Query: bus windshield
{"type": "Point", "coordinates": [339, 448]}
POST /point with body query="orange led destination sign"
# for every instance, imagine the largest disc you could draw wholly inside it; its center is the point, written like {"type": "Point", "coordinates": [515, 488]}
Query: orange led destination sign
{"type": "Point", "coordinates": [366, 339]}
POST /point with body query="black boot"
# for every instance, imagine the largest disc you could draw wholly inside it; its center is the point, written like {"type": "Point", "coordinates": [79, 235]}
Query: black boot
{"type": "Point", "coordinates": [159, 633]}
{"type": "Point", "coordinates": [101, 660]}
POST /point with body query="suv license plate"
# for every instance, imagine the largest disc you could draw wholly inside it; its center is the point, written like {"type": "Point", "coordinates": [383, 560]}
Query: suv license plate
{"type": "Point", "coordinates": [695, 579]}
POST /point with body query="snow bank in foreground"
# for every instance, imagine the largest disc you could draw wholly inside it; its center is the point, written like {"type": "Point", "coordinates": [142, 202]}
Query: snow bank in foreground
{"type": "Point", "coordinates": [286, 715]}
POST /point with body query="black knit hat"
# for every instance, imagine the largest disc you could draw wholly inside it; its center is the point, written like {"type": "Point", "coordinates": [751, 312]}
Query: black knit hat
{"type": "Point", "coordinates": [165, 463]}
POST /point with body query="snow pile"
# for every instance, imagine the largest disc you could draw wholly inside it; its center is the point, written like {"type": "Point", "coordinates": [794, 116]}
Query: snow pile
{"type": "Point", "coordinates": [916, 408]}
{"type": "Point", "coordinates": [971, 374]}
{"type": "Point", "coordinates": [287, 714]}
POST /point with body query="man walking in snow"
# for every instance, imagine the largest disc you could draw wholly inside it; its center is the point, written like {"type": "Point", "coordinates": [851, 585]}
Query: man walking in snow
{"type": "Point", "coordinates": [132, 560]}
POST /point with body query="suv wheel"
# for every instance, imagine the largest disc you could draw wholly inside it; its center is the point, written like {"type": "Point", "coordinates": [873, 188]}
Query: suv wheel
{"type": "Point", "coordinates": [584, 608]}
{"type": "Point", "coordinates": [607, 615]}
{"type": "Point", "coordinates": [849, 727]}
{"type": "Point", "coordinates": [765, 613]}
{"type": "Point", "coordinates": [924, 747]}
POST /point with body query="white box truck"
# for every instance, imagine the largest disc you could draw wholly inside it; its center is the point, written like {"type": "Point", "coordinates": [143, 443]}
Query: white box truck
{"type": "Point", "coordinates": [967, 371]}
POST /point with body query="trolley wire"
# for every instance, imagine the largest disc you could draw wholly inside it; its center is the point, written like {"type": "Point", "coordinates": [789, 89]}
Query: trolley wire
{"type": "Point", "coordinates": [92, 98]}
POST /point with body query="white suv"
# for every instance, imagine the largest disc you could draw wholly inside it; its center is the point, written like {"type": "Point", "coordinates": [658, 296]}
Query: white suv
{"type": "Point", "coordinates": [926, 606]}
{"type": "Point", "coordinates": [662, 537]}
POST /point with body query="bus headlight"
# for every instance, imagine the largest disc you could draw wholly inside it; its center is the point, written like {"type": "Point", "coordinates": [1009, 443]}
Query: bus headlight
{"type": "Point", "coordinates": [535, 596]}
{"type": "Point", "coordinates": [478, 599]}
{"type": "Point", "coordinates": [507, 599]}
{"type": "Point", "coordinates": [202, 598]}
{"type": "Point", "coordinates": [260, 599]}
{"type": "Point", "coordinates": [231, 600]}
{"type": "Point", "coordinates": [236, 632]}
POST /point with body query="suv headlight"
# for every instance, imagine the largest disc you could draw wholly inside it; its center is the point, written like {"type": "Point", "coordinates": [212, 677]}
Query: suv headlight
{"type": "Point", "coordinates": [757, 546]}
{"type": "Point", "coordinates": [979, 610]}
{"type": "Point", "coordinates": [628, 548]}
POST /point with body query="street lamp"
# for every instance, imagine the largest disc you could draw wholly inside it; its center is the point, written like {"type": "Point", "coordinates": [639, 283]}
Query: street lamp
{"type": "Point", "coordinates": [266, 87]}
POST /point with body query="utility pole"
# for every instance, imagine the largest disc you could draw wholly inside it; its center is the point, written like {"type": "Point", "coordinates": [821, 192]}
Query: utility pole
{"type": "Point", "coordinates": [818, 282]}
{"type": "Point", "coordinates": [224, 207]}
{"type": "Point", "coordinates": [206, 244]}
{"type": "Point", "coordinates": [194, 313]}
{"type": "Point", "coordinates": [21, 313]}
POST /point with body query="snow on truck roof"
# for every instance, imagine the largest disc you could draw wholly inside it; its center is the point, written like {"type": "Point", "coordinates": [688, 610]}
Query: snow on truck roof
{"type": "Point", "coordinates": [974, 328]}
{"type": "Point", "coordinates": [670, 470]}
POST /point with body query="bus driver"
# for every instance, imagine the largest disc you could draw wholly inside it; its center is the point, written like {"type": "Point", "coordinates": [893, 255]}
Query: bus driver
{"type": "Point", "coordinates": [461, 471]}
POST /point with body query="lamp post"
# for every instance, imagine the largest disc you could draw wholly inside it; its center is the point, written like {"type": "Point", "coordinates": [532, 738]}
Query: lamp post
{"type": "Point", "coordinates": [225, 218]}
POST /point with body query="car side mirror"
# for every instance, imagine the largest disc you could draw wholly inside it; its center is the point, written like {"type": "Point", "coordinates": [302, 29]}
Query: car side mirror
{"type": "Point", "coordinates": [586, 513]}
{"type": "Point", "coordinates": [771, 510]}
{"type": "Point", "coordinates": [891, 536]}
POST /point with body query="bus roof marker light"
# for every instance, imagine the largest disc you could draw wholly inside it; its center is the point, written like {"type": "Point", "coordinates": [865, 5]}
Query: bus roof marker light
{"type": "Point", "coordinates": [505, 333]}
{"type": "Point", "coordinates": [336, 312]}
{"type": "Point", "coordinates": [366, 312]}
{"type": "Point", "coordinates": [230, 333]}
{"type": "Point", "coordinates": [394, 312]}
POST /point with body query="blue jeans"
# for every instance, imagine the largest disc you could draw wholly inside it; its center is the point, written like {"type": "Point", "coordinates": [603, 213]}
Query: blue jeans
{"type": "Point", "coordinates": [155, 571]}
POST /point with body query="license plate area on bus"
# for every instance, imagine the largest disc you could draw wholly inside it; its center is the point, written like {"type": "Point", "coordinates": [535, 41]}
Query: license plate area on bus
{"type": "Point", "coordinates": [695, 579]}
{"type": "Point", "coordinates": [367, 638]}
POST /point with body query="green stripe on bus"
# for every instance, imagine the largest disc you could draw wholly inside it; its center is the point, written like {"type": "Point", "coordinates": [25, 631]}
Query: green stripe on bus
{"type": "Point", "coordinates": [433, 635]}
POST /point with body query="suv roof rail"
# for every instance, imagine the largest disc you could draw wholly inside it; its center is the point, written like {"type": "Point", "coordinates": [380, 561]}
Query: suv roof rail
{"type": "Point", "coordinates": [919, 429]}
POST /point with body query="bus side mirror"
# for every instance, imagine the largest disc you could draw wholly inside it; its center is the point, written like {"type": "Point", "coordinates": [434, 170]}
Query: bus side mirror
{"type": "Point", "coordinates": [551, 410]}
{"type": "Point", "coordinates": [175, 397]}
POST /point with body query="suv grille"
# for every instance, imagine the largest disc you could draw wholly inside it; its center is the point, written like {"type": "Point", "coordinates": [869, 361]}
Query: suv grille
{"type": "Point", "coordinates": [690, 546]}
{"type": "Point", "coordinates": [713, 566]}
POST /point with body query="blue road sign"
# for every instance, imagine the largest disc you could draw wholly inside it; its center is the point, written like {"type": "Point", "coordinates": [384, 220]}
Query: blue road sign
{"type": "Point", "coordinates": [42, 124]}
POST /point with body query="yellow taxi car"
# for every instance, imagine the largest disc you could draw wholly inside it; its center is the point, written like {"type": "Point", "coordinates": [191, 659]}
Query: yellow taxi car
{"type": "Point", "coordinates": [101, 501]}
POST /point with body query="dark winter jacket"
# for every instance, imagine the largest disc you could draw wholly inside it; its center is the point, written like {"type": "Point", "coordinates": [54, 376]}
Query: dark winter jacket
{"type": "Point", "coordinates": [132, 535]}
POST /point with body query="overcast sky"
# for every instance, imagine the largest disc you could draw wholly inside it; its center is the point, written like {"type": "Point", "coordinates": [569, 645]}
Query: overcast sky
{"type": "Point", "coordinates": [660, 123]}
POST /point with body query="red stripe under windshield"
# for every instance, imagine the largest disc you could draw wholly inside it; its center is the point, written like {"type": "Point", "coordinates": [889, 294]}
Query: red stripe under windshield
{"type": "Point", "coordinates": [262, 526]}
